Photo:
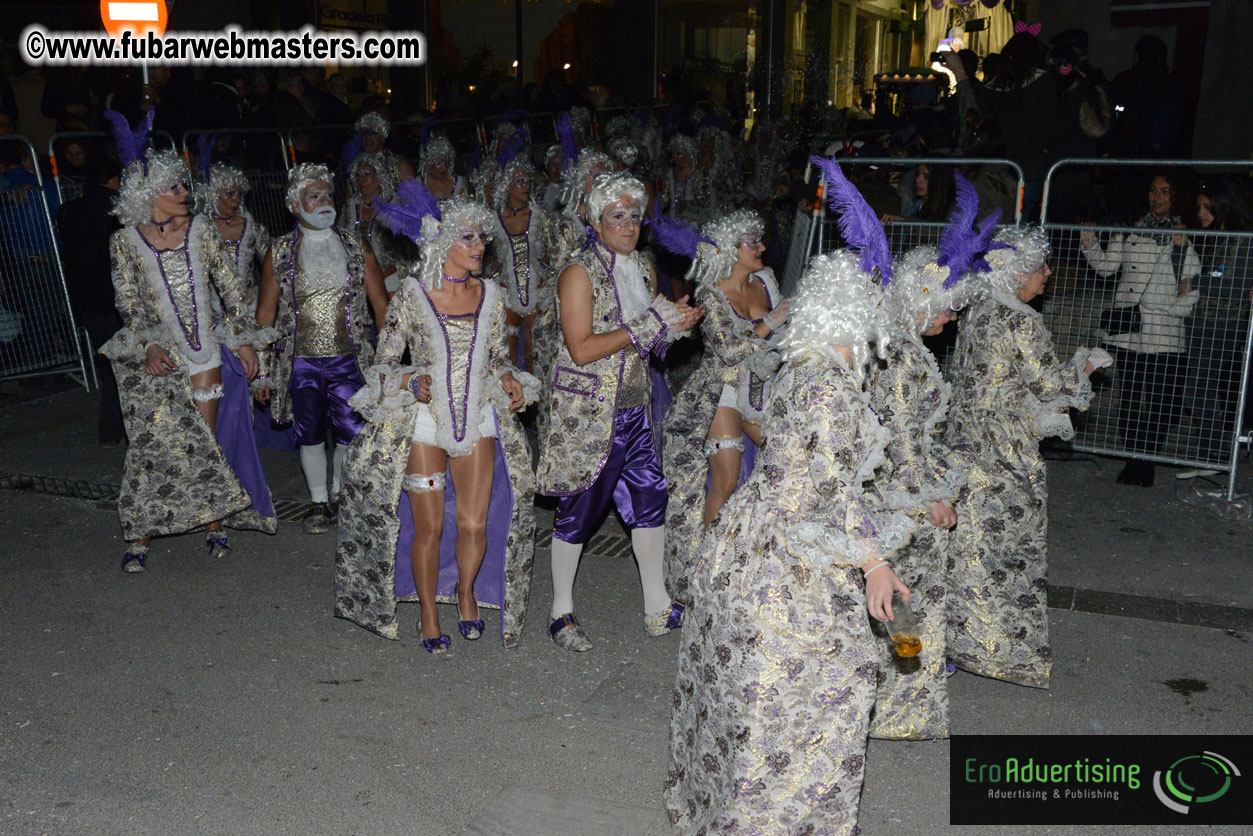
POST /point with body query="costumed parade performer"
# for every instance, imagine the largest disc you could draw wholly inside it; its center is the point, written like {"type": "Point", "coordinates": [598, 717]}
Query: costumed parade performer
{"type": "Point", "coordinates": [778, 664]}
{"type": "Point", "coordinates": [600, 449]}
{"type": "Point", "coordinates": [911, 397]}
{"type": "Point", "coordinates": [522, 231]}
{"type": "Point", "coordinates": [1009, 392]}
{"type": "Point", "coordinates": [368, 181]}
{"type": "Point", "coordinates": [713, 427]}
{"type": "Point", "coordinates": [192, 459]}
{"type": "Point", "coordinates": [322, 290]}
{"type": "Point", "coordinates": [449, 415]}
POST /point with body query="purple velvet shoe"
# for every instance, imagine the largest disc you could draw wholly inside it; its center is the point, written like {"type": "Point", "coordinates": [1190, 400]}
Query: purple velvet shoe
{"type": "Point", "coordinates": [436, 646]}
{"type": "Point", "coordinates": [568, 635]}
{"type": "Point", "coordinates": [135, 560]}
{"type": "Point", "coordinates": [662, 622]}
{"type": "Point", "coordinates": [470, 630]}
{"type": "Point", "coordinates": [217, 544]}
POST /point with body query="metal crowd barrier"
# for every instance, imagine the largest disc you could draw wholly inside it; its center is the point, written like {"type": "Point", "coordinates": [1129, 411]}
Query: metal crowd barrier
{"type": "Point", "coordinates": [70, 188]}
{"type": "Point", "coordinates": [1182, 383]}
{"type": "Point", "coordinates": [267, 193]}
{"type": "Point", "coordinates": [38, 335]}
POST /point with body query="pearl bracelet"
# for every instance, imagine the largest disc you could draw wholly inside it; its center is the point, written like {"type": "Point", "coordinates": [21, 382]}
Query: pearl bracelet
{"type": "Point", "coordinates": [873, 569]}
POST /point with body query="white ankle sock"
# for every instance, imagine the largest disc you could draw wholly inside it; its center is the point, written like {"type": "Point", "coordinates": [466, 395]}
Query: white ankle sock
{"type": "Point", "coordinates": [565, 559]}
{"type": "Point", "coordinates": [650, 554]}
{"type": "Point", "coordinates": [313, 463]}
{"type": "Point", "coordinates": [337, 468]}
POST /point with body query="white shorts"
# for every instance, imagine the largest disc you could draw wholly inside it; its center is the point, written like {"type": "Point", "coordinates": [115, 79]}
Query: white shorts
{"type": "Point", "coordinates": [425, 430]}
{"type": "Point", "coordinates": [729, 397]}
{"type": "Point", "coordinates": [215, 362]}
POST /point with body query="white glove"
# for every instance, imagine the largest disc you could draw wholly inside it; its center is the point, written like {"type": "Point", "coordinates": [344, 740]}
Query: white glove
{"type": "Point", "coordinates": [778, 316]}
{"type": "Point", "coordinates": [1100, 358]}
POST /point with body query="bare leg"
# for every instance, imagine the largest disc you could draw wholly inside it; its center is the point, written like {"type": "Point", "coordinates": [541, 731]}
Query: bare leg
{"type": "Point", "coordinates": [724, 465]}
{"type": "Point", "coordinates": [472, 477]}
{"type": "Point", "coordinates": [428, 523]}
{"type": "Point", "coordinates": [205, 382]}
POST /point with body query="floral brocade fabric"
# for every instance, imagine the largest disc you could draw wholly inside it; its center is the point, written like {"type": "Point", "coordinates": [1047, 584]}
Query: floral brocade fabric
{"type": "Point", "coordinates": [175, 477]}
{"type": "Point", "coordinates": [1009, 392]}
{"type": "Point", "coordinates": [374, 466]}
{"type": "Point", "coordinates": [777, 665]}
{"type": "Point", "coordinates": [911, 398]}
{"type": "Point", "coordinates": [732, 351]}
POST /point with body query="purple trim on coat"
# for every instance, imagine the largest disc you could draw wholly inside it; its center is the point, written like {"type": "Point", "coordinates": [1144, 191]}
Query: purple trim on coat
{"type": "Point", "coordinates": [194, 340]}
{"type": "Point", "coordinates": [474, 338]}
{"type": "Point", "coordinates": [235, 435]}
{"type": "Point", "coordinates": [489, 587]}
{"type": "Point", "coordinates": [557, 370]}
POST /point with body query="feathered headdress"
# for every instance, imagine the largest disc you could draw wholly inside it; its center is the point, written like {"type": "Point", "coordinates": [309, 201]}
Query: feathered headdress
{"type": "Point", "coordinates": [147, 174]}
{"type": "Point", "coordinates": [678, 237]}
{"type": "Point", "coordinates": [417, 215]}
{"type": "Point", "coordinates": [352, 149]}
{"type": "Point", "coordinates": [859, 225]}
{"type": "Point", "coordinates": [204, 153]}
{"type": "Point", "coordinates": [1015, 252]}
{"type": "Point", "coordinates": [510, 147]}
{"type": "Point", "coordinates": [425, 131]}
{"type": "Point", "coordinates": [131, 145]}
{"type": "Point", "coordinates": [569, 149]}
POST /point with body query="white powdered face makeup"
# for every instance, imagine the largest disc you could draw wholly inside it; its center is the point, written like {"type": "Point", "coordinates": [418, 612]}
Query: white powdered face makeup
{"type": "Point", "coordinates": [317, 207]}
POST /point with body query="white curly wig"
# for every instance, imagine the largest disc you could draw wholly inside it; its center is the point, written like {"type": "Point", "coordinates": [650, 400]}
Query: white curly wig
{"type": "Point", "coordinates": [438, 149]}
{"type": "Point", "coordinates": [460, 214]}
{"type": "Point", "coordinates": [574, 189]}
{"type": "Point", "coordinates": [221, 176]}
{"type": "Point", "coordinates": [376, 161]}
{"type": "Point", "coordinates": [627, 151]}
{"type": "Point", "coordinates": [917, 287]}
{"type": "Point", "coordinates": [608, 189]}
{"type": "Point", "coordinates": [685, 145]}
{"type": "Point", "coordinates": [372, 122]}
{"type": "Point", "coordinates": [713, 262]}
{"type": "Point", "coordinates": [143, 180]}
{"type": "Point", "coordinates": [302, 176]}
{"type": "Point", "coordinates": [504, 176]}
{"type": "Point", "coordinates": [1025, 251]}
{"type": "Point", "coordinates": [837, 303]}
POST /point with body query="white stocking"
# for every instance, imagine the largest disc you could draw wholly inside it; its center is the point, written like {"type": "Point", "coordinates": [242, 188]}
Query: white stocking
{"type": "Point", "coordinates": [565, 558]}
{"type": "Point", "coordinates": [650, 554]}
{"type": "Point", "coordinates": [313, 463]}
{"type": "Point", "coordinates": [337, 466]}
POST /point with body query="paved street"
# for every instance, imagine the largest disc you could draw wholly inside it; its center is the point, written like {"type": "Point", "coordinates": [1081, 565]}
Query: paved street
{"type": "Point", "coordinates": [221, 697]}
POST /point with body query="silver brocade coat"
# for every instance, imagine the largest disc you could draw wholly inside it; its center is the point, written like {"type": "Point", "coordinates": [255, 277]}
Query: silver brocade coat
{"type": "Point", "coordinates": [175, 477]}
{"type": "Point", "coordinates": [777, 666]}
{"type": "Point", "coordinates": [1009, 393]}
{"type": "Point", "coordinates": [734, 356]}
{"type": "Point", "coordinates": [277, 363]}
{"type": "Point", "coordinates": [374, 466]}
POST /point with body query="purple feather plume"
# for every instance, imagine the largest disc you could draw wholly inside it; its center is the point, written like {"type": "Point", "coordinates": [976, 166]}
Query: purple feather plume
{"type": "Point", "coordinates": [352, 150]}
{"type": "Point", "coordinates": [959, 244]}
{"type": "Point", "coordinates": [130, 144]}
{"type": "Point", "coordinates": [512, 145]}
{"type": "Point", "coordinates": [987, 228]}
{"type": "Point", "coordinates": [413, 203]}
{"type": "Point", "coordinates": [859, 225]}
{"type": "Point", "coordinates": [204, 147]}
{"type": "Point", "coordinates": [677, 236]}
{"type": "Point", "coordinates": [569, 151]}
{"type": "Point", "coordinates": [426, 130]}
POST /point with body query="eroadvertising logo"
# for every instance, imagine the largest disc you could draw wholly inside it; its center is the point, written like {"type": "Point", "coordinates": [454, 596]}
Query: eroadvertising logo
{"type": "Point", "coordinates": [1098, 779]}
{"type": "Point", "coordinates": [1211, 772]}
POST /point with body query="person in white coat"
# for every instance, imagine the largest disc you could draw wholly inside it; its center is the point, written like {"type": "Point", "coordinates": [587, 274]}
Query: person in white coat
{"type": "Point", "coordinates": [1159, 277]}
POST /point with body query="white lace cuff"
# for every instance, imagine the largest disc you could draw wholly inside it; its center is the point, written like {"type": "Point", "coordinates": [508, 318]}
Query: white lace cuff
{"type": "Point", "coordinates": [822, 545]}
{"type": "Point", "coordinates": [384, 397]}
{"type": "Point", "coordinates": [255, 335]}
{"type": "Point", "coordinates": [670, 315]}
{"type": "Point", "coordinates": [764, 363]}
{"type": "Point", "coordinates": [132, 345]}
{"type": "Point", "coordinates": [500, 398]}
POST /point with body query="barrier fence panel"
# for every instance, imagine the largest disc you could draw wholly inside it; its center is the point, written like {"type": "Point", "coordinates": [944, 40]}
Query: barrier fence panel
{"type": "Point", "coordinates": [38, 335]}
{"type": "Point", "coordinates": [96, 145]}
{"type": "Point", "coordinates": [266, 170]}
{"type": "Point", "coordinates": [1173, 308]}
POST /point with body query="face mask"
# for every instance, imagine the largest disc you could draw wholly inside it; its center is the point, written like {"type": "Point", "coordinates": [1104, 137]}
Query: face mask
{"type": "Point", "coordinates": [322, 218]}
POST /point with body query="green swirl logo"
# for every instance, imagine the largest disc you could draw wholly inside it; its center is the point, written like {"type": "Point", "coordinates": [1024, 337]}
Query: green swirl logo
{"type": "Point", "coordinates": [1194, 779]}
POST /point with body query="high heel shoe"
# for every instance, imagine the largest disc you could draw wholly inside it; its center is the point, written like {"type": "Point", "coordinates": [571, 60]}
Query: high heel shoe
{"type": "Point", "coordinates": [470, 630]}
{"type": "Point", "coordinates": [439, 645]}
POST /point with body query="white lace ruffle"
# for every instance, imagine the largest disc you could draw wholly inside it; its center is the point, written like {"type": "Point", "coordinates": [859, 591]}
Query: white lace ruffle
{"type": "Point", "coordinates": [499, 398]}
{"type": "Point", "coordinates": [384, 397]}
{"type": "Point", "coordinates": [763, 363]}
{"type": "Point", "coordinates": [257, 337]}
{"type": "Point", "coordinates": [130, 345]}
{"type": "Point", "coordinates": [944, 489]}
{"type": "Point", "coordinates": [820, 545]}
{"type": "Point", "coordinates": [670, 315]}
{"type": "Point", "coordinates": [1050, 418]}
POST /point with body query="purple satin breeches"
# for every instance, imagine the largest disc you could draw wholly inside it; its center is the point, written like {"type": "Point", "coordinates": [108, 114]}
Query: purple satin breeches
{"type": "Point", "coordinates": [320, 389]}
{"type": "Point", "coordinates": [631, 479]}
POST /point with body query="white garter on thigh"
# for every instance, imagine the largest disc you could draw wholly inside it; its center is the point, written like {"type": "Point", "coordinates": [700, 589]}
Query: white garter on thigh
{"type": "Point", "coordinates": [422, 482]}
{"type": "Point", "coordinates": [212, 393]}
{"type": "Point", "coordinates": [716, 445]}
